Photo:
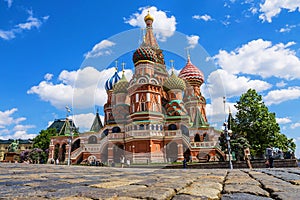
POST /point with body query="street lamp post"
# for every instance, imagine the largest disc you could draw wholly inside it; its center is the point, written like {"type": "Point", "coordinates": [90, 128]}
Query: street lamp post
{"type": "Point", "coordinates": [70, 147]}
{"type": "Point", "coordinates": [227, 136]}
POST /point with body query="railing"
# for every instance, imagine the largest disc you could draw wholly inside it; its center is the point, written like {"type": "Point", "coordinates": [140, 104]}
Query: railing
{"type": "Point", "coordinates": [144, 133]}
{"type": "Point", "coordinates": [202, 144]}
{"type": "Point", "coordinates": [173, 133]}
{"type": "Point", "coordinates": [76, 152]}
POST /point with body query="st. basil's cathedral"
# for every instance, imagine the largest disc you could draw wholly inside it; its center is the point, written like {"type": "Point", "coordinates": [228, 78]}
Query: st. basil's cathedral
{"type": "Point", "coordinates": [152, 118]}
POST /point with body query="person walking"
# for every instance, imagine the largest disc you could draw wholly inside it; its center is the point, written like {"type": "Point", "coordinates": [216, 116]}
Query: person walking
{"type": "Point", "coordinates": [269, 157]}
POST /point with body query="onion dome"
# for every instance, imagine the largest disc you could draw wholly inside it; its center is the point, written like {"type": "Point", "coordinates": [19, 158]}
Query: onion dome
{"type": "Point", "coordinates": [174, 82]}
{"type": "Point", "coordinates": [111, 81]}
{"type": "Point", "coordinates": [144, 53]}
{"type": "Point", "coordinates": [148, 17]}
{"type": "Point", "coordinates": [191, 74]}
{"type": "Point", "coordinates": [121, 86]}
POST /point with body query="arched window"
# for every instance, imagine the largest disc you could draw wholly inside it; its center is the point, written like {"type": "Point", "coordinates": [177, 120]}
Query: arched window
{"type": "Point", "coordinates": [172, 127]}
{"type": "Point", "coordinates": [197, 138]}
{"type": "Point", "coordinates": [142, 127]}
{"type": "Point", "coordinates": [116, 129]}
{"type": "Point", "coordinates": [92, 140]}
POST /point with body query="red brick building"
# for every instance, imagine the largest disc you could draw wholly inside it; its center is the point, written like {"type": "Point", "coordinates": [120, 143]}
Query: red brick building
{"type": "Point", "coordinates": [152, 118]}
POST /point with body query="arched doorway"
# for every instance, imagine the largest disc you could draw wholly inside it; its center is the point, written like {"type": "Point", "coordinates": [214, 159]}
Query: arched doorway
{"type": "Point", "coordinates": [76, 144]}
{"type": "Point", "coordinates": [197, 138]}
{"type": "Point", "coordinates": [63, 152]}
{"type": "Point", "coordinates": [118, 152]}
{"type": "Point", "coordinates": [172, 152]}
{"type": "Point", "coordinates": [56, 152]}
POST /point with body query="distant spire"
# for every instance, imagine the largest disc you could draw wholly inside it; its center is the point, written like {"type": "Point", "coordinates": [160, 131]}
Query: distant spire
{"type": "Point", "coordinates": [188, 54]}
{"type": "Point", "coordinates": [116, 66]}
{"type": "Point", "coordinates": [172, 65]}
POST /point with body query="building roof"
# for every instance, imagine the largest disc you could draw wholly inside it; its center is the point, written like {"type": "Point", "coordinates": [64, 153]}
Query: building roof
{"type": "Point", "coordinates": [191, 74]}
{"type": "Point", "coordinates": [60, 125]}
{"type": "Point", "coordinates": [199, 120]}
{"type": "Point", "coordinates": [112, 81]}
{"type": "Point", "coordinates": [97, 124]}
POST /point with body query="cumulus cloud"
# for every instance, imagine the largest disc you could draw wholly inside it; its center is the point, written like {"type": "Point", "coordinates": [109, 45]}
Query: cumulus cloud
{"type": "Point", "coordinates": [282, 95]}
{"type": "Point", "coordinates": [100, 49]}
{"type": "Point", "coordinates": [84, 121]}
{"type": "Point", "coordinates": [83, 88]}
{"type": "Point", "coordinates": [262, 58]}
{"type": "Point", "coordinates": [202, 17]}
{"type": "Point", "coordinates": [295, 125]}
{"type": "Point", "coordinates": [216, 111]}
{"type": "Point", "coordinates": [220, 80]}
{"type": "Point", "coordinates": [284, 120]}
{"type": "Point", "coordinates": [31, 22]}
{"type": "Point", "coordinates": [10, 127]}
{"type": "Point", "coordinates": [271, 8]}
{"type": "Point", "coordinates": [192, 40]}
{"type": "Point", "coordinates": [163, 26]}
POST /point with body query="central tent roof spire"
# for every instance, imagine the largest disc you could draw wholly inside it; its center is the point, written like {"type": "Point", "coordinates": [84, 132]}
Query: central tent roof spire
{"type": "Point", "coordinates": [149, 39]}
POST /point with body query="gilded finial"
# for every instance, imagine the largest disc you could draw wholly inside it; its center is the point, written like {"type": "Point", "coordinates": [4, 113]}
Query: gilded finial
{"type": "Point", "coordinates": [148, 16]}
{"type": "Point", "coordinates": [123, 67]}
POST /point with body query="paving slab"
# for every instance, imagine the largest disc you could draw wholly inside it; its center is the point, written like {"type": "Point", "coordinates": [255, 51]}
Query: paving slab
{"type": "Point", "coordinates": [23, 181]}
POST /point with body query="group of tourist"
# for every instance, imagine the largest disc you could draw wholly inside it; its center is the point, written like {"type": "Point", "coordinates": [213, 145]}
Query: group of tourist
{"type": "Point", "coordinates": [272, 154]}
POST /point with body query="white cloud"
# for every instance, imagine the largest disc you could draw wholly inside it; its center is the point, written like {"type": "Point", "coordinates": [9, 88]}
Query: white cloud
{"type": "Point", "coordinates": [287, 28]}
{"type": "Point", "coordinates": [279, 96]}
{"type": "Point", "coordinates": [260, 57]}
{"type": "Point", "coordinates": [7, 35]}
{"type": "Point", "coordinates": [84, 121]}
{"type": "Point", "coordinates": [48, 77]}
{"type": "Point", "coordinates": [203, 17]}
{"type": "Point", "coordinates": [192, 40]}
{"type": "Point", "coordinates": [296, 125]}
{"type": "Point", "coordinates": [163, 26]}
{"type": "Point", "coordinates": [83, 88]}
{"type": "Point", "coordinates": [281, 84]}
{"type": "Point", "coordinates": [271, 8]}
{"type": "Point", "coordinates": [216, 111]}
{"type": "Point", "coordinates": [9, 3]}
{"type": "Point", "coordinates": [10, 127]}
{"type": "Point", "coordinates": [100, 49]}
{"type": "Point", "coordinates": [284, 120]}
{"type": "Point", "coordinates": [220, 80]}
{"type": "Point", "coordinates": [31, 22]}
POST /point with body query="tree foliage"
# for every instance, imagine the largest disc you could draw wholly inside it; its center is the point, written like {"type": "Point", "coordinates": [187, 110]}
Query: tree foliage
{"type": "Point", "coordinates": [254, 122]}
{"type": "Point", "coordinates": [42, 142]}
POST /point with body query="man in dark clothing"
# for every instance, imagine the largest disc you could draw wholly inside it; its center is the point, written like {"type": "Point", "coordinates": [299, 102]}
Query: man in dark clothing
{"type": "Point", "coordinates": [270, 157]}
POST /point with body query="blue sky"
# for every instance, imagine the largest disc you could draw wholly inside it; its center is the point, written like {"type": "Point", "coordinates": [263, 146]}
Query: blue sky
{"type": "Point", "coordinates": [58, 53]}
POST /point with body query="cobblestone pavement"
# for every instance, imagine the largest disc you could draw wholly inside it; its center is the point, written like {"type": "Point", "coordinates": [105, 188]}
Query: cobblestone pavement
{"type": "Point", "coordinates": [21, 181]}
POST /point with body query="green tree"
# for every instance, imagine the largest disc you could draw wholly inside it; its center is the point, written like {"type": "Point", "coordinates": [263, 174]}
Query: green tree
{"type": "Point", "coordinates": [254, 122]}
{"type": "Point", "coordinates": [42, 141]}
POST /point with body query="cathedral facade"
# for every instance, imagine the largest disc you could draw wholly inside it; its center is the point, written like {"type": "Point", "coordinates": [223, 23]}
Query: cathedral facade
{"type": "Point", "coordinates": [154, 117]}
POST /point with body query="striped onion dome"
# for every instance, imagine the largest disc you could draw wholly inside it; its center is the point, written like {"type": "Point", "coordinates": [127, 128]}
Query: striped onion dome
{"type": "Point", "coordinates": [174, 82]}
{"type": "Point", "coordinates": [191, 74]}
{"type": "Point", "coordinates": [121, 86]}
{"type": "Point", "coordinates": [111, 81]}
{"type": "Point", "coordinates": [144, 53]}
